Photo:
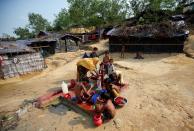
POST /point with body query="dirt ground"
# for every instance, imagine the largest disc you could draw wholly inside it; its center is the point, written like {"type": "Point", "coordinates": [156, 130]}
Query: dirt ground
{"type": "Point", "coordinates": [160, 95]}
{"type": "Point", "coordinates": [189, 46]}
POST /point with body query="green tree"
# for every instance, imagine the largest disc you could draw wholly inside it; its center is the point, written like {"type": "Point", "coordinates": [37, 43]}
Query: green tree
{"type": "Point", "coordinates": [97, 12]}
{"type": "Point", "coordinates": [162, 4]}
{"type": "Point", "coordinates": [62, 21]}
{"type": "Point", "coordinates": [38, 23]}
{"type": "Point", "coordinates": [110, 11]}
{"type": "Point", "coordinates": [23, 33]}
{"type": "Point", "coordinates": [139, 6]}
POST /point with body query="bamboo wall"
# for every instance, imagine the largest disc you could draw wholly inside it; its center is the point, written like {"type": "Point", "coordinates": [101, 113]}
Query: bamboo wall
{"type": "Point", "coordinates": [23, 64]}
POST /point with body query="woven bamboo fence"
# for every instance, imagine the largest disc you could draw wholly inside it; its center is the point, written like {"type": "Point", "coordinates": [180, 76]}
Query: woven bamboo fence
{"type": "Point", "coordinates": [21, 64]}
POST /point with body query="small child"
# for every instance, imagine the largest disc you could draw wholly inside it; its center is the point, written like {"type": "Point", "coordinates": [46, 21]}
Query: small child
{"type": "Point", "coordinates": [106, 57]}
{"type": "Point", "coordinates": [94, 52]}
{"type": "Point", "coordinates": [106, 107]}
{"type": "Point", "coordinates": [106, 60]}
{"type": "Point", "coordinates": [111, 68]}
{"type": "Point", "coordinates": [112, 72]}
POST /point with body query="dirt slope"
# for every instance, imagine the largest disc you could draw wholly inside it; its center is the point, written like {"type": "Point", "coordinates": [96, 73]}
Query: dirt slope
{"type": "Point", "coordinates": [160, 97]}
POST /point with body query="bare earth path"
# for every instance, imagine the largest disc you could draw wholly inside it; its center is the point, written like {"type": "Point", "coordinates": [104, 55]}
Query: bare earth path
{"type": "Point", "coordinates": [16, 92]}
{"type": "Point", "coordinates": [160, 96]}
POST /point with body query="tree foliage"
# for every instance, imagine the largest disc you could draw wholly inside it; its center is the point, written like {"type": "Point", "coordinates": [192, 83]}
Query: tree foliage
{"type": "Point", "coordinates": [62, 21]}
{"type": "Point", "coordinates": [91, 13]}
{"type": "Point", "coordinates": [104, 12]}
{"type": "Point", "coordinates": [139, 6]}
{"type": "Point", "coordinates": [23, 33]}
{"type": "Point", "coordinates": [97, 13]}
{"type": "Point", "coordinates": [38, 23]}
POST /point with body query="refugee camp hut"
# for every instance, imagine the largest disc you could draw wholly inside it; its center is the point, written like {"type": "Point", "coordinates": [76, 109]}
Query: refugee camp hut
{"type": "Point", "coordinates": [16, 60]}
{"type": "Point", "coordinates": [45, 42]}
{"type": "Point", "coordinates": [71, 43]}
{"type": "Point", "coordinates": [165, 36]}
{"type": "Point", "coordinates": [86, 34]}
{"type": "Point", "coordinates": [45, 46]}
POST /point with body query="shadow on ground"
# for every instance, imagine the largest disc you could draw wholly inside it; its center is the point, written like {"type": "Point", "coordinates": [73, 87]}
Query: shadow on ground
{"type": "Point", "coordinates": [62, 110]}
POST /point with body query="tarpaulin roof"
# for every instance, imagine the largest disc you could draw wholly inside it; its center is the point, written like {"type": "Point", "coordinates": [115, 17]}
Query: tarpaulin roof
{"type": "Point", "coordinates": [12, 47]}
{"type": "Point", "coordinates": [35, 40]}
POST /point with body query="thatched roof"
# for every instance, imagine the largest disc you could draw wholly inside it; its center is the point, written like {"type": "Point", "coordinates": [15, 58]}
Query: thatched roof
{"type": "Point", "coordinates": [154, 30]}
{"type": "Point", "coordinates": [81, 30]}
{"type": "Point", "coordinates": [152, 24]}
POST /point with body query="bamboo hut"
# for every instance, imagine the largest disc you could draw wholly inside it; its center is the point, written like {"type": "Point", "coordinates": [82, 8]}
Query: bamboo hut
{"type": "Point", "coordinates": [44, 45]}
{"type": "Point", "coordinates": [16, 60]}
{"type": "Point", "coordinates": [71, 43]}
{"type": "Point", "coordinates": [86, 34]}
{"type": "Point", "coordinates": [165, 36]}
